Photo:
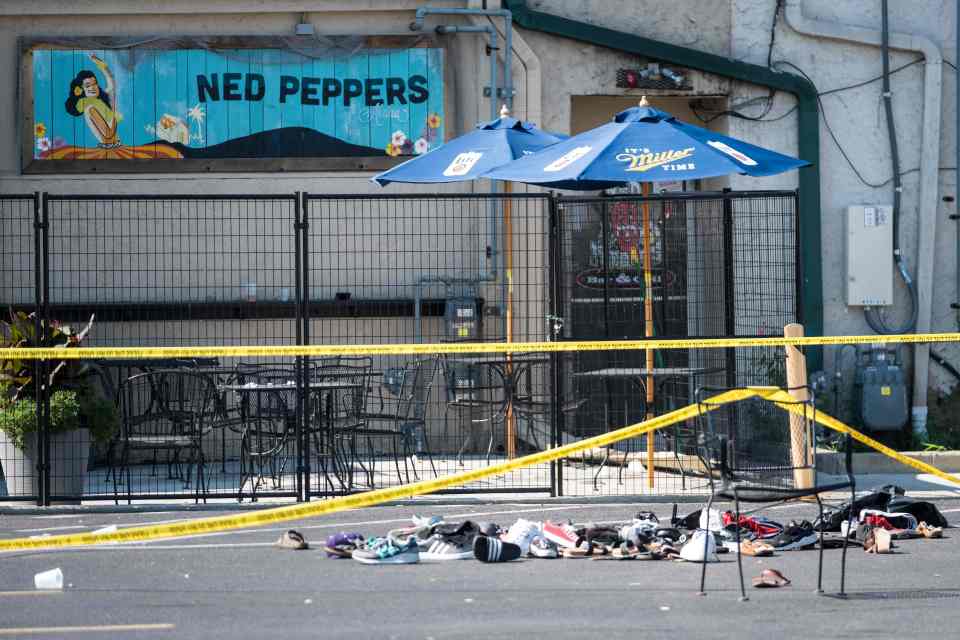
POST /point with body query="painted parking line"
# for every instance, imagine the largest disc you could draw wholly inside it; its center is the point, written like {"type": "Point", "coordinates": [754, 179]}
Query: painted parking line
{"type": "Point", "coordinates": [97, 628]}
{"type": "Point", "coordinates": [34, 592]}
{"type": "Point", "coordinates": [160, 543]}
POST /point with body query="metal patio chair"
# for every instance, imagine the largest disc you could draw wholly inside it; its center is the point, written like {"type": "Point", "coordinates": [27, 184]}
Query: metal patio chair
{"type": "Point", "coordinates": [397, 409]}
{"type": "Point", "coordinates": [755, 451]}
{"type": "Point", "coordinates": [268, 427]}
{"type": "Point", "coordinates": [337, 393]}
{"type": "Point", "coordinates": [476, 394]}
{"type": "Point", "coordinates": [167, 410]}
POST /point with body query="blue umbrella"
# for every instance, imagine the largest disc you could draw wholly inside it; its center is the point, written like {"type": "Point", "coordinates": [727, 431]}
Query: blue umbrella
{"type": "Point", "coordinates": [488, 146]}
{"type": "Point", "coordinates": [642, 144]}
{"type": "Point", "coordinates": [646, 145]}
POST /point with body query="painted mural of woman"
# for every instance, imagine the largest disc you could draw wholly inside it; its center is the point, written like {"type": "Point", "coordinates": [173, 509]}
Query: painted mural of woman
{"type": "Point", "coordinates": [87, 99]}
{"type": "Point", "coordinates": [98, 107]}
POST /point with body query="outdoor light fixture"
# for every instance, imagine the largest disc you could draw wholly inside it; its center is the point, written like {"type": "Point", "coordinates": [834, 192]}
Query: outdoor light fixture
{"type": "Point", "coordinates": [303, 28]}
{"type": "Point", "coordinates": [653, 76]}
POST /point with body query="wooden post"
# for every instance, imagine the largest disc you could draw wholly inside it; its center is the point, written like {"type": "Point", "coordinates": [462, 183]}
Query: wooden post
{"type": "Point", "coordinates": [508, 275]}
{"type": "Point", "coordinates": [648, 325]}
{"type": "Point", "coordinates": [801, 450]}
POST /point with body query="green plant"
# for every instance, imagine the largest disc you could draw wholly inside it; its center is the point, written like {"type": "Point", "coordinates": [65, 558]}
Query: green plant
{"type": "Point", "coordinates": [943, 421]}
{"type": "Point", "coordinates": [74, 400]}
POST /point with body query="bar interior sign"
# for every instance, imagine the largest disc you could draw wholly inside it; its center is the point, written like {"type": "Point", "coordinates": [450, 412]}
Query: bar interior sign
{"type": "Point", "coordinates": [139, 103]}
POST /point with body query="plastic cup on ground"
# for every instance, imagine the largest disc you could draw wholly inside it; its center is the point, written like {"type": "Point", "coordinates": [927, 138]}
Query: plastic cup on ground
{"type": "Point", "coordinates": [52, 579]}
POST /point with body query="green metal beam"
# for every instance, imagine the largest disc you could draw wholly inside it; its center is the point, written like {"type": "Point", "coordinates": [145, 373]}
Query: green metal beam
{"type": "Point", "coordinates": [808, 125]}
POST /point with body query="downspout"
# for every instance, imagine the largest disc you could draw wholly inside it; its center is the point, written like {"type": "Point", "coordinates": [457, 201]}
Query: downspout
{"type": "Point", "coordinates": [808, 123]}
{"type": "Point", "coordinates": [929, 167]}
{"type": "Point", "coordinates": [488, 272]}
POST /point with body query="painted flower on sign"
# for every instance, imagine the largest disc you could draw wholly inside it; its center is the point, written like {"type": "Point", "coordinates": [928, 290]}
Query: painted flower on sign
{"type": "Point", "coordinates": [421, 146]}
{"type": "Point", "coordinates": [40, 130]}
{"type": "Point", "coordinates": [392, 149]}
{"type": "Point", "coordinates": [43, 144]}
{"type": "Point", "coordinates": [398, 138]}
{"type": "Point", "coordinates": [433, 120]}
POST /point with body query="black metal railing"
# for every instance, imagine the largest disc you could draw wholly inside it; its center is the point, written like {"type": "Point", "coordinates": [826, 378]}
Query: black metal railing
{"type": "Point", "coordinates": [179, 270]}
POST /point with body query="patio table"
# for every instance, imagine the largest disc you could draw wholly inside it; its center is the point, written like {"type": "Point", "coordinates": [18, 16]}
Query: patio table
{"type": "Point", "coordinates": [332, 384]}
{"type": "Point", "coordinates": [637, 375]}
{"type": "Point", "coordinates": [509, 367]}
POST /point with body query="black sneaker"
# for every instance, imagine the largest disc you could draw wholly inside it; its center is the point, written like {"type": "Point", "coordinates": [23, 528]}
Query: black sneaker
{"type": "Point", "coordinates": [796, 535]}
{"type": "Point", "coordinates": [492, 550]}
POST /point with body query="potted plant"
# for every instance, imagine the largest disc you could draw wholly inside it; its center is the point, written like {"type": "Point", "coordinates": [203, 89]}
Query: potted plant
{"type": "Point", "coordinates": [78, 410]}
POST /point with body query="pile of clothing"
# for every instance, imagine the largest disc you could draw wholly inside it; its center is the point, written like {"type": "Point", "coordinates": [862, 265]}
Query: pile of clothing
{"type": "Point", "coordinates": [881, 516]}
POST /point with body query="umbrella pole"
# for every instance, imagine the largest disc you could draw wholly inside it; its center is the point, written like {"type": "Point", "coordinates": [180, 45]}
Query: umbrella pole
{"type": "Point", "coordinates": [648, 324]}
{"type": "Point", "coordinates": [508, 275]}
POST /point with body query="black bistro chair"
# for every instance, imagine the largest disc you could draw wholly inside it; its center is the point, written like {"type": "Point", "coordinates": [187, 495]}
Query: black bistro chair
{"type": "Point", "coordinates": [338, 393]}
{"type": "Point", "coordinates": [268, 428]}
{"type": "Point", "coordinates": [166, 410]}
{"type": "Point", "coordinates": [755, 451]}
{"type": "Point", "coordinates": [476, 394]}
{"type": "Point", "coordinates": [397, 409]}
{"type": "Point", "coordinates": [534, 406]}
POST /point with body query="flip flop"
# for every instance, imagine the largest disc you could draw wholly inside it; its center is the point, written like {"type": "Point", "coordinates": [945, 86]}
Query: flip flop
{"type": "Point", "coordinates": [292, 540]}
{"type": "Point", "coordinates": [770, 579]}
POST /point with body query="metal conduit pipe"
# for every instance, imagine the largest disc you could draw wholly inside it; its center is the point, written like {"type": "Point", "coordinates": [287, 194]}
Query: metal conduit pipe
{"type": "Point", "coordinates": [488, 272]}
{"type": "Point", "coordinates": [929, 167]}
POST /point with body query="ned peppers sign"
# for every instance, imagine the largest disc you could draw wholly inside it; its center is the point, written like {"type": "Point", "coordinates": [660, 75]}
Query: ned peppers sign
{"type": "Point", "coordinates": [139, 103]}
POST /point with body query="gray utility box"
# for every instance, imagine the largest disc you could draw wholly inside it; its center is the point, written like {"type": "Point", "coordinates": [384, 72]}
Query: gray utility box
{"type": "Point", "coordinates": [883, 391]}
{"type": "Point", "coordinates": [869, 281]}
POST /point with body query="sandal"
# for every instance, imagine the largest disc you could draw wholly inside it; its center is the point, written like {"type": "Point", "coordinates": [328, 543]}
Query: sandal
{"type": "Point", "coordinates": [626, 551]}
{"type": "Point", "coordinates": [586, 552]}
{"type": "Point", "coordinates": [753, 548]}
{"type": "Point", "coordinates": [929, 532]}
{"type": "Point", "coordinates": [770, 579]}
{"type": "Point", "coordinates": [292, 540]}
{"type": "Point", "coordinates": [342, 545]}
{"type": "Point", "coordinates": [661, 550]}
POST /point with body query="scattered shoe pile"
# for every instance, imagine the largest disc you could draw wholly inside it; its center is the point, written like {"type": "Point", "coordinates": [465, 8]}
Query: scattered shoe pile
{"type": "Point", "coordinates": [697, 537]}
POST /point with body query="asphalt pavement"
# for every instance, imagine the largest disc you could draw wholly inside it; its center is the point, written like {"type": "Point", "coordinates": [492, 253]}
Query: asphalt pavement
{"type": "Point", "coordinates": [238, 585]}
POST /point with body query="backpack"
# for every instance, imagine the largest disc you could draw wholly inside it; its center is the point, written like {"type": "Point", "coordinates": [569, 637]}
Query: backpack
{"type": "Point", "coordinates": [833, 516]}
{"type": "Point", "coordinates": [920, 509]}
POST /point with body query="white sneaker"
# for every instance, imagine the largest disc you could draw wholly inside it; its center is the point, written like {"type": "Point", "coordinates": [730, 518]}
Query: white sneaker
{"type": "Point", "coordinates": [711, 520]}
{"type": "Point", "coordinates": [693, 550]}
{"type": "Point", "coordinates": [540, 547]}
{"type": "Point", "coordinates": [521, 533]}
{"type": "Point", "coordinates": [632, 532]}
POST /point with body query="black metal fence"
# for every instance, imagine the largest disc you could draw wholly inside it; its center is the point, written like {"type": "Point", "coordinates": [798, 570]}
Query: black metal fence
{"type": "Point", "coordinates": [352, 269]}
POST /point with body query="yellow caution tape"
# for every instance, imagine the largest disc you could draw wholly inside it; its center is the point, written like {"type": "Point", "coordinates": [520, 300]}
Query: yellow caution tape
{"type": "Point", "coordinates": [782, 398]}
{"type": "Point", "coordinates": [379, 496]}
{"type": "Point", "coordinates": [459, 347]}
{"type": "Point", "coordinates": [359, 500]}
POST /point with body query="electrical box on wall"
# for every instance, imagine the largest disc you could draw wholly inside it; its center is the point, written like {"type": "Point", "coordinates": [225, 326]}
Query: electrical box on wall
{"type": "Point", "coordinates": [869, 280]}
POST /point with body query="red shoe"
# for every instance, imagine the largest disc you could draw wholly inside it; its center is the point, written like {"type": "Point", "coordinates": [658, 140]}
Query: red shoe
{"type": "Point", "coordinates": [563, 535]}
{"type": "Point", "coordinates": [761, 526]}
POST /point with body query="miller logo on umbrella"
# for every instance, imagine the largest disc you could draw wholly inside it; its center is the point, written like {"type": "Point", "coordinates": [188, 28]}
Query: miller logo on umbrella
{"type": "Point", "coordinates": [644, 159]}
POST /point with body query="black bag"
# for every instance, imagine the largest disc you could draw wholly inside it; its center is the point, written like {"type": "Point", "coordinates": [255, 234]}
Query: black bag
{"type": "Point", "coordinates": [833, 516]}
{"type": "Point", "coordinates": [921, 510]}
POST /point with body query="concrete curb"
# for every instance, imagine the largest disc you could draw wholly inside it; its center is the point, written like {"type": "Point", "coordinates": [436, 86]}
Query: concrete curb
{"type": "Point", "coordinates": [875, 463]}
{"type": "Point", "coordinates": [419, 503]}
